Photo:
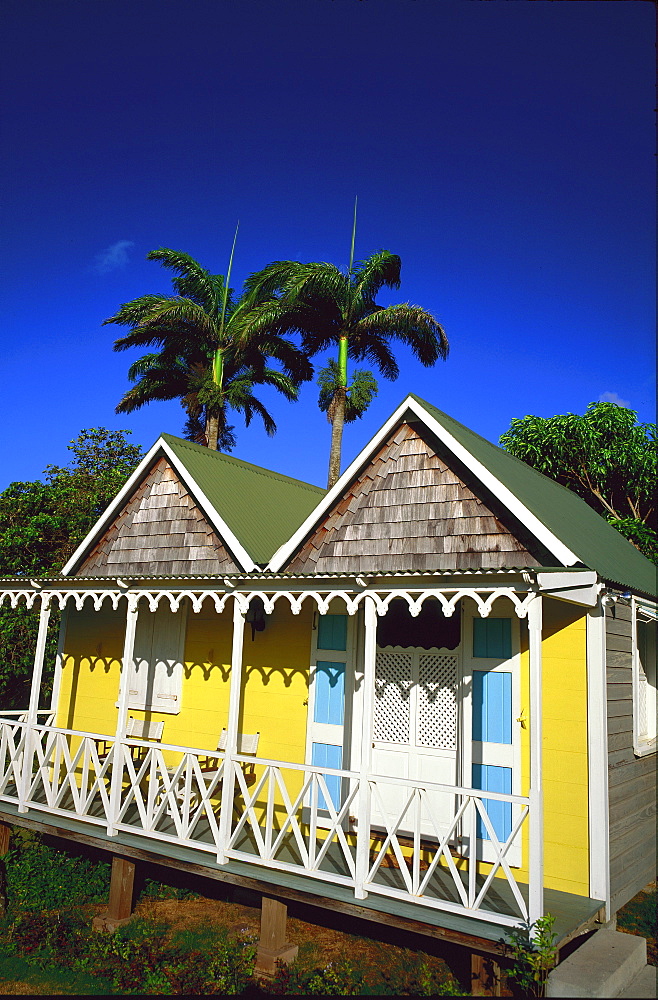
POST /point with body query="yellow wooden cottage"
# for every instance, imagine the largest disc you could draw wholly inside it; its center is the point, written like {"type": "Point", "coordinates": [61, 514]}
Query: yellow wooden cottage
{"type": "Point", "coordinates": [426, 696]}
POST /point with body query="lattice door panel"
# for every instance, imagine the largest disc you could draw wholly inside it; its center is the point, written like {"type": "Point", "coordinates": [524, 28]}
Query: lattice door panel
{"type": "Point", "coordinates": [437, 701]}
{"type": "Point", "coordinates": [393, 686]}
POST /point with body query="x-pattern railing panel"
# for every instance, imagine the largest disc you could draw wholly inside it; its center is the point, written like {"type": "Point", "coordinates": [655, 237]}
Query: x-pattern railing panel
{"type": "Point", "coordinates": [163, 795]}
{"type": "Point", "coordinates": [417, 806]}
{"type": "Point", "coordinates": [81, 774]}
{"type": "Point", "coordinates": [12, 745]}
{"type": "Point", "coordinates": [272, 814]}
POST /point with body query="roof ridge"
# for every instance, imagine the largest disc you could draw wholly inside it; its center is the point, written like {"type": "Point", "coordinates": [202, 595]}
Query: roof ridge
{"type": "Point", "coordinates": [222, 456]}
{"type": "Point", "coordinates": [500, 448]}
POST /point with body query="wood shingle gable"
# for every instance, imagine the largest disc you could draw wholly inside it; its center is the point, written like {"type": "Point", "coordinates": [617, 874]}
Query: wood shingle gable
{"type": "Point", "coordinates": [160, 530]}
{"type": "Point", "coordinates": [408, 510]}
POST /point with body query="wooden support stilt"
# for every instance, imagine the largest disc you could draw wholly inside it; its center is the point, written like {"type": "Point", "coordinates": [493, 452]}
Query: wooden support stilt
{"type": "Point", "coordinates": [5, 832]}
{"type": "Point", "coordinates": [485, 976]}
{"type": "Point", "coordinates": [120, 905]}
{"type": "Point", "coordinates": [273, 946]}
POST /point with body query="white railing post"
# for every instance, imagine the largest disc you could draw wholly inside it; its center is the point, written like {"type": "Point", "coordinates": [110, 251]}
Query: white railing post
{"type": "Point", "coordinates": [122, 715]}
{"type": "Point", "coordinates": [31, 721]}
{"type": "Point", "coordinates": [536, 795]}
{"type": "Point", "coordinates": [365, 765]}
{"type": "Point", "coordinates": [228, 779]}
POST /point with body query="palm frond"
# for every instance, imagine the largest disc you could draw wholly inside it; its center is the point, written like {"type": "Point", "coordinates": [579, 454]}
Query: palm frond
{"type": "Point", "coordinates": [413, 326]}
{"type": "Point", "coordinates": [369, 276]}
{"type": "Point", "coordinates": [193, 280]}
{"type": "Point", "coordinates": [131, 313]}
{"type": "Point", "coordinates": [373, 347]}
{"type": "Point", "coordinates": [361, 393]}
{"type": "Point", "coordinates": [254, 407]}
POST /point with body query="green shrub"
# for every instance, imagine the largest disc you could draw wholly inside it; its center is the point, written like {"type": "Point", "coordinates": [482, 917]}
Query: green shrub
{"type": "Point", "coordinates": [41, 877]}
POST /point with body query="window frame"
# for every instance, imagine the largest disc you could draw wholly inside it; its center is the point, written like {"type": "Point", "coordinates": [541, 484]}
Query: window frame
{"type": "Point", "coordinates": [643, 612]}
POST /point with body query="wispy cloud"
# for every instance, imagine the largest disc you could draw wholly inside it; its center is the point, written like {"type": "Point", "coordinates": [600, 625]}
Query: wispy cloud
{"type": "Point", "coordinates": [612, 397]}
{"type": "Point", "coordinates": [114, 257]}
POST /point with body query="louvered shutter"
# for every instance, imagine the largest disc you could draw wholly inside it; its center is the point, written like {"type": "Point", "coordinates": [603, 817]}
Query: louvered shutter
{"type": "Point", "coordinates": [156, 682]}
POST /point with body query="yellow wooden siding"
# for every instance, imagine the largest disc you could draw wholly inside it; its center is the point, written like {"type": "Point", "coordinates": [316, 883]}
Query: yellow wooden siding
{"type": "Point", "coordinates": [566, 835]}
{"type": "Point", "coordinates": [275, 679]}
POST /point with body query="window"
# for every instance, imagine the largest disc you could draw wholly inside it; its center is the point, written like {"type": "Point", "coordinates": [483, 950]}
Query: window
{"type": "Point", "coordinates": [158, 660]}
{"type": "Point", "coordinates": [644, 678]}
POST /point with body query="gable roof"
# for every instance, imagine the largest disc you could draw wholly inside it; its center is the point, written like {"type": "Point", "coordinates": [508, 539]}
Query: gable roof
{"type": "Point", "coordinates": [262, 508]}
{"type": "Point", "coordinates": [253, 510]}
{"type": "Point", "coordinates": [566, 526]}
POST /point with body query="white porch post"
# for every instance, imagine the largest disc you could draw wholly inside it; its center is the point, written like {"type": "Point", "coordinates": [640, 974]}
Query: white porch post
{"type": "Point", "coordinates": [59, 661]}
{"type": "Point", "coordinates": [597, 757]}
{"type": "Point", "coordinates": [32, 716]}
{"type": "Point", "coordinates": [120, 734]}
{"type": "Point", "coordinates": [367, 721]}
{"type": "Point", "coordinates": [228, 782]}
{"type": "Point", "coordinates": [536, 795]}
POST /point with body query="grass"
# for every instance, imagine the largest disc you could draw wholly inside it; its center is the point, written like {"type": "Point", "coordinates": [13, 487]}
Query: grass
{"type": "Point", "coordinates": [19, 976]}
{"type": "Point", "coordinates": [640, 916]}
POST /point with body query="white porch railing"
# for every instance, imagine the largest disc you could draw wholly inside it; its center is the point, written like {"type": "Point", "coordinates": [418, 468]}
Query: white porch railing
{"type": "Point", "coordinates": [285, 820]}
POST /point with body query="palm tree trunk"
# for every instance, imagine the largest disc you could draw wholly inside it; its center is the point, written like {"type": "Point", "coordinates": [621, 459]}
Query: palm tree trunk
{"type": "Point", "coordinates": [336, 436]}
{"type": "Point", "coordinates": [212, 430]}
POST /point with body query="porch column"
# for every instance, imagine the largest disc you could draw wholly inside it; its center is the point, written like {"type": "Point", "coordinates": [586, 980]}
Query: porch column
{"type": "Point", "coordinates": [536, 795]}
{"type": "Point", "coordinates": [32, 714]}
{"type": "Point", "coordinates": [365, 767]}
{"type": "Point", "coordinates": [597, 758]}
{"type": "Point", "coordinates": [122, 715]}
{"type": "Point", "coordinates": [228, 782]}
{"type": "Point", "coordinates": [59, 660]}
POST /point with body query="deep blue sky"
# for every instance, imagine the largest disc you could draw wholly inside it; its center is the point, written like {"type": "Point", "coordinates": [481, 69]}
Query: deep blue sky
{"type": "Point", "coordinates": [503, 149]}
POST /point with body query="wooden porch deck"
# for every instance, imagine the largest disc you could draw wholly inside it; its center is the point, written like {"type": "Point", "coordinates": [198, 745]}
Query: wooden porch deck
{"type": "Point", "coordinates": [574, 915]}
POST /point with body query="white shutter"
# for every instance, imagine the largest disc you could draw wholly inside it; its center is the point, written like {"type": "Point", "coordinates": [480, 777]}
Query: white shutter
{"type": "Point", "coordinates": [137, 695]}
{"type": "Point", "coordinates": [159, 649]}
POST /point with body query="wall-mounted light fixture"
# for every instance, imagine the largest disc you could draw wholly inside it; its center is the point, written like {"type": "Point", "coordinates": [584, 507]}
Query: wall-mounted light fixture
{"type": "Point", "coordinates": [256, 616]}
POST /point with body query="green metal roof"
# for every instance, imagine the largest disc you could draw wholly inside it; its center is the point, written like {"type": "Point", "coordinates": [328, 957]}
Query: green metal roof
{"type": "Point", "coordinates": [260, 507]}
{"type": "Point", "coordinates": [597, 544]}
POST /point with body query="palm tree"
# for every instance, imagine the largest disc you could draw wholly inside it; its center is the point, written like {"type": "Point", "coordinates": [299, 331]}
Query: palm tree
{"type": "Point", "coordinates": [328, 307]}
{"type": "Point", "coordinates": [207, 358]}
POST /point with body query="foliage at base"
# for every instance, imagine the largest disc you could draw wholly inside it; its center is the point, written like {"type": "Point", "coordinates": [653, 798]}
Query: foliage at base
{"type": "Point", "coordinates": [532, 950]}
{"type": "Point", "coordinates": [411, 975]}
{"type": "Point", "coordinates": [139, 958]}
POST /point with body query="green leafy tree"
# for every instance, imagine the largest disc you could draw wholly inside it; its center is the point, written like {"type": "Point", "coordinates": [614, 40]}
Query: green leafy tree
{"type": "Point", "coordinates": [41, 525]}
{"type": "Point", "coordinates": [604, 456]}
{"type": "Point", "coordinates": [208, 355]}
{"type": "Point", "coordinates": [331, 308]}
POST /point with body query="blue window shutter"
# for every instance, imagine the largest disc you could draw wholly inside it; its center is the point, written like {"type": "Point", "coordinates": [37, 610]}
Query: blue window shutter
{"type": "Point", "coordinates": [492, 637]}
{"type": "Point", "coordinates": [329, 693]}
{"type": "Point", "coordinates": [327, 755]}
{"type": "Point", "coordinates": [332, 632]}
{"type": "Point", "coordinates": [492, 706]}
{"type": "Point", "coordinates": [494, 779]}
